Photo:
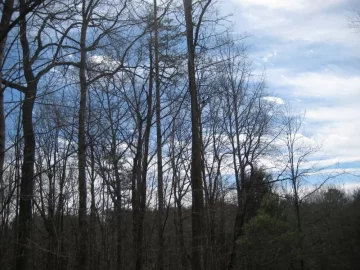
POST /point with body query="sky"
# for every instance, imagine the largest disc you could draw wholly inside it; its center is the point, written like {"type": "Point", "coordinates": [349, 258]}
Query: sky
{"type": "Point", "coordinates": [311, 57]}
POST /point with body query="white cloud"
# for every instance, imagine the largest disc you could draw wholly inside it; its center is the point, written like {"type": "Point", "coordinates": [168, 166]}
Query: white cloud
{"type": "Point", "coordinates": [291, 20]}
{"type": "Point", "coordinates": [291, 5]}
{"type": "Point", "coordinates": [331, 102]}
{"type": "Point", "coordinates": [334, 114]}
{"type": "Point", "coordinates": [350, 187]}
{"type": "Point", "coordinates": [340, 139]}
{"type": "Point", "coordinates": [269, 56]}
{"type": "Point", "coordinates": [276, 100]}
{"type": "Point", "coordinates": [319, 84]}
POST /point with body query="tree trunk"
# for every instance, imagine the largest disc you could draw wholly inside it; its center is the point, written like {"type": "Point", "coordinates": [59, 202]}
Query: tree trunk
{"type": "Point", "coordinates": [83, 224]}
{"type": "Point", "coordinates": [144, 168]}
{"type": "Point", "coordinates": [299, 225]}
{"type": "Point", "coordinates": [27, 182]}
{"type": "Point", "coordinates": [240, 179]}
{"type": "Point", "coordinates": [27, 176]}
{"type": "Point", "coordinates": [92, 236]}
{"type": "Point", "coordinates": [135, 195]}
{"type": "Point", "coordinates": [196, 181]}
{"type": "Point", "coordinates": [118, 204]}
{"type": "Point", "coordinates": [60, 217]}
{"type": "Point", "coordinates": [160, 187]}
{"type": "Point", "coordinates": [4, 24]}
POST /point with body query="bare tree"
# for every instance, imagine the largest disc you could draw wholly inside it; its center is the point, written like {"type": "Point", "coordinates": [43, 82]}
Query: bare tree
{"type": "Point", "coordinates": [7, 25]}
{"type": "Point", "coordinates": [133, 158]}
{"type": "Point", "coordinates": [196, 178]}
{"type": "Point", "coordinates": [248, 125]}
{"type": "Point", "coordinates": [27, 176]}
{"type": "Point", "coordinates": [298, 163]}
{"type": "Point", "coordinates": [7, 11]}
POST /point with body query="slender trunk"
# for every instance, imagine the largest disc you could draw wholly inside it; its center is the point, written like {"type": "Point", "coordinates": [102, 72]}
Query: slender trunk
{"type": "Point", "coordinates": [92, 236]}
{"type": "Point", "coordinates": [144, 168]}
{"type": "Point", "coordinates": [4, 24]}
{"type": "Point", "coordinates": [240, 181]}
{"type": "Point", "coordinates": [180, 231]}
{"type": "Point", "coordinates": [82, 259]}
{"type": "Point", "coordinates": [17, 183]}
{"type": "Point", "coordinates": [159, 150]}
{"type": "Point", "coordinates": [52, 227]}
{"type": "Point", "coordinates": [118, 206]}
{"type": "Point", "coordinates": [184, 261]}
{"type": "Point", "coordinates": [60, 215]}
{"type": "Point", "coordinates": [139, 183]}
{"type": "Point", "coordinates": [177, 190]}
{"type": "Point", "coordinates": [52, 255]}
{"type": "Point", "coordinates": [62, 260]}
{"type": "Point", "coordinates": [211, 231]}
{"type": "Point", "coordinates": [299, 227]}
{"type": "Point", "coordinates": [222, 239]}
{"type": "Point", "coordinates": [27, 182]}
{"type": "Point", "coordinates": [27, 175]}
{"type": "Point", "coordinates": [118, 220]}
{"type": "Point", "coordinates": [118, 202]}
{"type": "Point", "coordinates": [238, 188]}
{"type": "Point", "coordinates": [239, 221]}
{"type": "Point", "coordinates": [196, 181]}
{"type": "Point", "coordinates": [135, 196]}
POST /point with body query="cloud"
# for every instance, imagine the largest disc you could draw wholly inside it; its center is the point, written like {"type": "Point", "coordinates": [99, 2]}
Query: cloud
{"type": "Point", "coordinates": [350, 187]}
{"type": "Point", "coordinates": [290, 20]}
{"type": "Point", "coordinates": [319, 84]}
{"type": "Point", "coordinates": [315, 68]}
{"type": "Point", "coordinates": [276, 100]}
{"type": "Point", "coordinates": [331, 101]}
{"type": "Point", "coordinates": [292, 5]}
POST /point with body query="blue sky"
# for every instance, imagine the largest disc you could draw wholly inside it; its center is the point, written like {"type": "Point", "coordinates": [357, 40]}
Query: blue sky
{"type": "Point", "coordinates": [312, 60]}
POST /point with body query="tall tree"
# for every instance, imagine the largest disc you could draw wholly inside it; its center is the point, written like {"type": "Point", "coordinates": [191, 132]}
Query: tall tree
{"type": "Point", "coordinates": [25, 10]}
{"type": "Point", "coordinates": [7, 11]}
{"type": "Point", "coordinates": [27, 170]}
{"type": "Point", "coordinates": [196, 179]}
{"type": "Point", "coordinates": [83, 224]}
{"type": "Point", "coordinates": [160, 186]}
{"type": "Point", "coordinates": [296, 167]}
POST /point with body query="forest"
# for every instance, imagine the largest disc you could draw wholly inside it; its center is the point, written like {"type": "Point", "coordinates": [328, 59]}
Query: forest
{"type": "Point", "coordinates": [137, 134]}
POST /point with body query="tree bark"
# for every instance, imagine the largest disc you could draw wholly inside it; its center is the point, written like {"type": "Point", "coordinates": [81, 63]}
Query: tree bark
{"type": "Point", "coordinates": [27, 176]}
{"type": "Point", "coordinates": [196, 180]}
{"type": "Point", "coordinates": [27, 182]}
{"type": "Point", "coordinates": [82, 259]}
{"type": "Point", "coordinates": [144, 168]}
{"type": "Point", "coordinates": [160, 187]}
{"type": "Point", "coordinates": [4, 24]}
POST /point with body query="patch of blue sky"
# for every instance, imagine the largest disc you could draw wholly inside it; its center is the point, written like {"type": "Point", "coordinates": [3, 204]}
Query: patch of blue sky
{"type": "Point", "coordinates": [304, 56]}
{"type": "Point", "coordinates": [346, 165]}
{"type": "Point", "coordinates": [311, 59]}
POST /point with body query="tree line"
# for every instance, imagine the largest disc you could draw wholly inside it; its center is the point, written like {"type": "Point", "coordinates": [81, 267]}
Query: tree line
{"type": "Point", "coordinates": [136, 135]}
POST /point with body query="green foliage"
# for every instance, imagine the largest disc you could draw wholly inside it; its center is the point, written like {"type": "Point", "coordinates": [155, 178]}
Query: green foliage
{"type": "Point", "coordinates": [268, 240]}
